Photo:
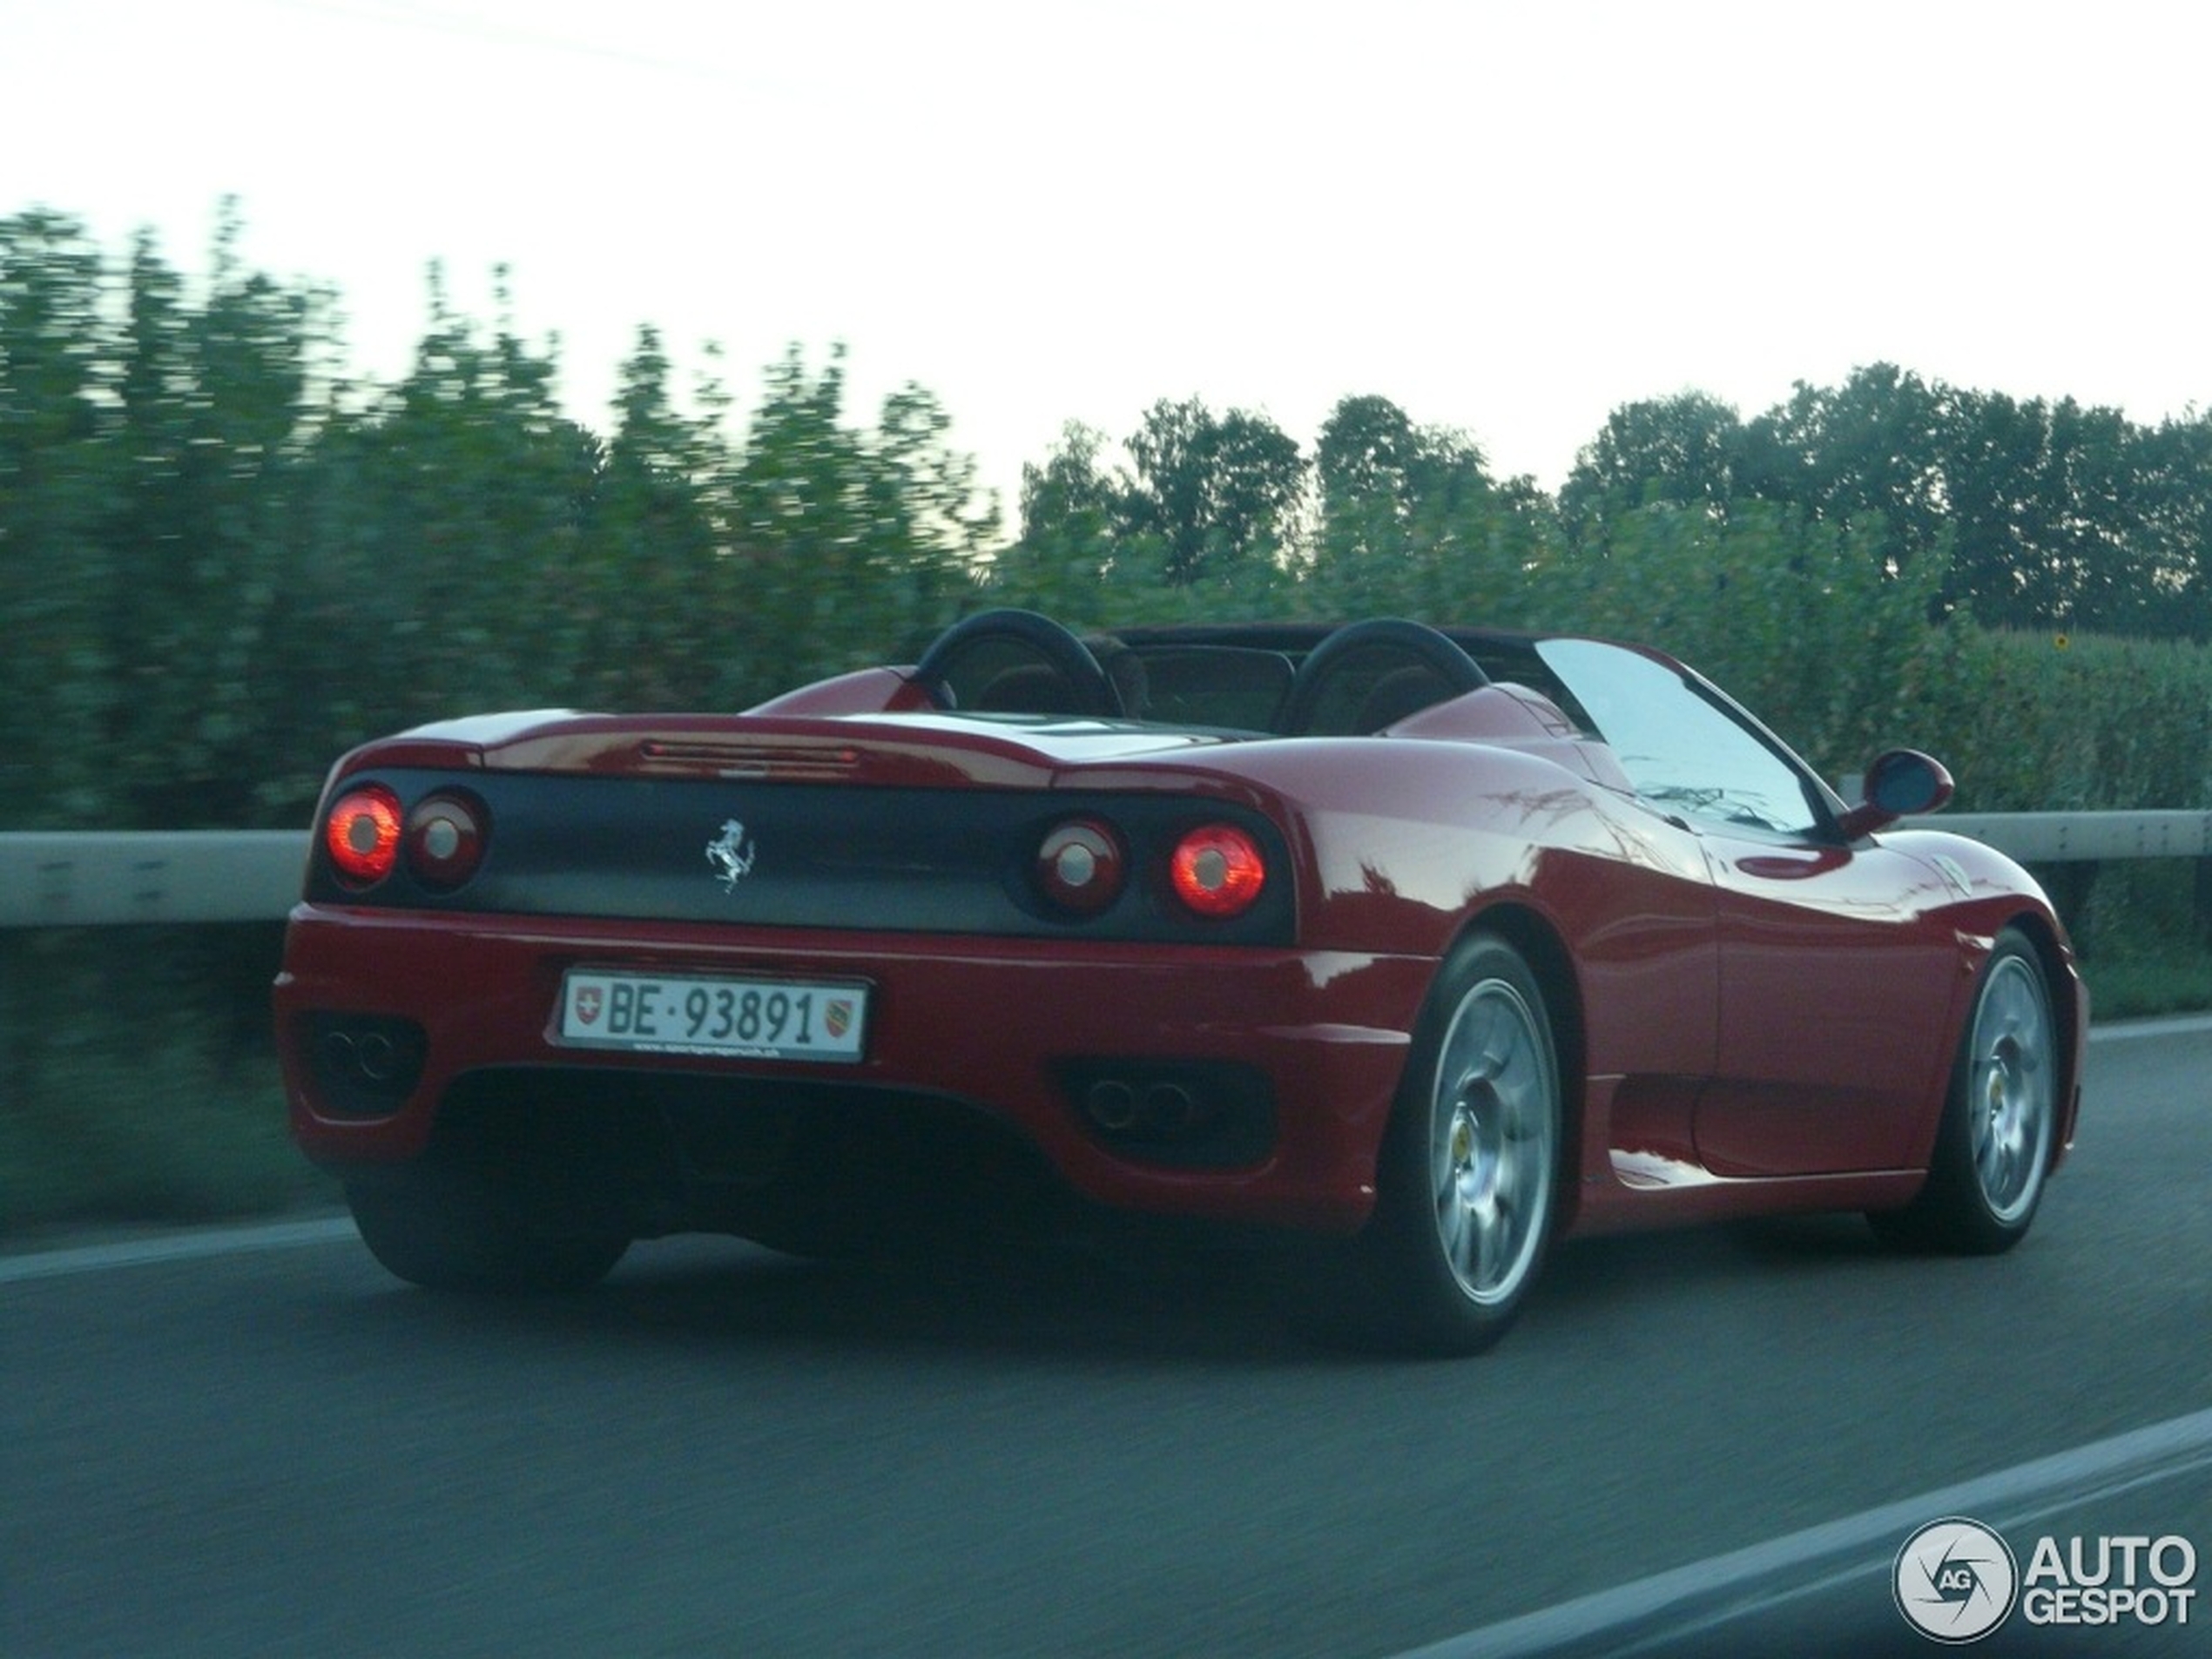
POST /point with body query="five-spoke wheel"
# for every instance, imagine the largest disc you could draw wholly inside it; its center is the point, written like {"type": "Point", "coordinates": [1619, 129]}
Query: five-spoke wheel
{"type": "Point", "coordinates": [1467, 1188]}
{"type": "Point", "coordinates": [1493, 1131]}
{"type": "Point", "coordinates": [1993, 1145]}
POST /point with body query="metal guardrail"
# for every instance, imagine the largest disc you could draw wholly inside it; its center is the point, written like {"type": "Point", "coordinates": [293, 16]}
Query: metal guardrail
{"type": "Point", "coordinates": [97, 877]}
{"type": "Point", "coordinates": [2062, 837]}
{"type": "Point", "coordinates": [75, 880]}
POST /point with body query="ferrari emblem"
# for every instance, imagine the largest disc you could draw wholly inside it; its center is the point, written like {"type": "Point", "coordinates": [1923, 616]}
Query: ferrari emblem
{"type": "Point", "coordinates": [731, 854]}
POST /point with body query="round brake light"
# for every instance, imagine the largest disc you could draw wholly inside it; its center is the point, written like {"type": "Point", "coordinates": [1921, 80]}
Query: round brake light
{"type": "Point", "coordinates": [362, 835]}
{"type": "Point", "coordinates": [1217, 870]}
{"type": "Point", "coordinates": [1079, 866]}
{"type": "Point", "coordinates": [445, 840]}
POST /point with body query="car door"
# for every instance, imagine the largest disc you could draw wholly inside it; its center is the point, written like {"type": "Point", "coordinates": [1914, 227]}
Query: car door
{"type": "Point", "coordinates": [1835, 982]}
{"type": "Point", "coordinates": [1835, 994]}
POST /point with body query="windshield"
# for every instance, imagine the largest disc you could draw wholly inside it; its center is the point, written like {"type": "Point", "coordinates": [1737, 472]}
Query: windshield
{"type": "Point", "coordinates": [1681, 750]}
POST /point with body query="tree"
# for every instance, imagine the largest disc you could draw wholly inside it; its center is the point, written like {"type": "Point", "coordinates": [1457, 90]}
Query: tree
{"type": "Point", "coordinates": [1220, 492]}
{"type": "Point", "coordinates": [2172, 479]}
{"type": "Point", "coordinates": [927, 495]}
{"type": "Point", "coordinates": [648, 553]}
{"type": "Point", "coordinates": [848, 542]}
{"type": "Point", "coordinates": [1071, 534]}
{"type": "Point", "coordinates": [214, 421]}
{"type": "Point", "coordinates": [2067, 517]}
{"type": "Point", "coordinates": [1410, 518]}
{"type": "Point", "coordinates": [1686, 449]}
{"type": "Point", "coordinates": [1380, 475]}
{"type": "Point", "coordinates": [1207, 498]}
{"type": "Point", "coordinates": [435, 540]}
{"type": "Point", "coordinates": [1867, 453]}
{"type": "Point", "coordinates": [59, 472]}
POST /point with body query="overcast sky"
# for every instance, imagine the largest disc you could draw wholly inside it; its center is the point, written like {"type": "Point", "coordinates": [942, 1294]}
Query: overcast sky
{"type": "Point", "coordinates": [1508, 218]}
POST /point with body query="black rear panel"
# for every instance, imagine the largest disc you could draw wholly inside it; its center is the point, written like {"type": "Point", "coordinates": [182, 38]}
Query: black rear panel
{"type": "Point", "coordinates": [813, 855]}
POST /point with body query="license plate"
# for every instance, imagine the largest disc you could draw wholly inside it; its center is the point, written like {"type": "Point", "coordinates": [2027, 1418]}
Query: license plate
{"type": "Point", "coordinates": [748, 1019]}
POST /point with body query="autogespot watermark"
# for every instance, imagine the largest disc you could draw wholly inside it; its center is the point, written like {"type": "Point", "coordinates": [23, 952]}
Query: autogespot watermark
{"type": "Point", "coordinates": [1956, 1580]}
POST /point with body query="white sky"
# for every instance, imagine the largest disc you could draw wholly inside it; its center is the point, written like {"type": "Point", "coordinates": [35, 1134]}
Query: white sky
{"type": "Point", "coordinates": [1508, 217]}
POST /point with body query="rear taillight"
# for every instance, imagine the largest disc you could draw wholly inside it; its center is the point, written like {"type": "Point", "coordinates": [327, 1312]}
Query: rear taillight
{"type": "Point", "coordinates": [1217, 870]}
{"type": "Point", "coordinates": [1080, 867]}
{"type": "Point", "coordinates": [362, 835]}
{"type": "Point", "coordinates": [445, 838]}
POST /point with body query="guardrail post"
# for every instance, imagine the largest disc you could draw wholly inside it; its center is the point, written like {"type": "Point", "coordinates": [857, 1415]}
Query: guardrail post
{"type": "Point", "coordinates": [2071, 886]}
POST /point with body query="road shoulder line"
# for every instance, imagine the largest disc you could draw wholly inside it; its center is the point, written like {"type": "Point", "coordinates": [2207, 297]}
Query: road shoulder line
{"type": "Point", "coordinates": [173, 1247]}
{"type": "Point", "coordinates": [1709, 1592]}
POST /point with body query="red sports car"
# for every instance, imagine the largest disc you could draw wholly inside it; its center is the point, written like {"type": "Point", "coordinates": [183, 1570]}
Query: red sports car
{"type": "Point", "coordinates": [1427, 947]}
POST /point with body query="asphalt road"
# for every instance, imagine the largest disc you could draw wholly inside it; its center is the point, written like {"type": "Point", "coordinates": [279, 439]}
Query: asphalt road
{"type": "Point", "coordinates": [232, 1451]}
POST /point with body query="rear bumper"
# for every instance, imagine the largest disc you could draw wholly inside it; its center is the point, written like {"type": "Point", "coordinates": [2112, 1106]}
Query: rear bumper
{"type": "Point", "coordinates": [1017, 1028]}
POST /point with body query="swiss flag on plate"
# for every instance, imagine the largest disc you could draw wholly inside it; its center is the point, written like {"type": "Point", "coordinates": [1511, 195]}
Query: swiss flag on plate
{"type": "Point", "coordinates": [587, 1004]}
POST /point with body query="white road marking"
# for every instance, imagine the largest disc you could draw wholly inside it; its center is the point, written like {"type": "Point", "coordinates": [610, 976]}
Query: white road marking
{"type": "Point", "coordinates": [1707, 1594]}
{"type": "Point", "coordinates": [174, 1247]}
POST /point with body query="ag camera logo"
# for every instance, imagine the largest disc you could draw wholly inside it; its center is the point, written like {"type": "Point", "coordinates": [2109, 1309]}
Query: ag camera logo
{"type": "Point", "coordinates": [1955, 1580]}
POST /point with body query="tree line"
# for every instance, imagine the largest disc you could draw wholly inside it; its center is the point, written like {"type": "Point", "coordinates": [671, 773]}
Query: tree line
{"type": "Point", "coordinates": [2037, 513]}
{"type": "Point", "coordinates": [222, 558]}
{"type": "Point", "coordinates": [2024, 513]}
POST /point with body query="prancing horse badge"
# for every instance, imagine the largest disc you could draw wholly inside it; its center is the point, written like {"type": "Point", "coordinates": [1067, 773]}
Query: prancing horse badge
{"type": "Point", "coordinates": [731, 854]}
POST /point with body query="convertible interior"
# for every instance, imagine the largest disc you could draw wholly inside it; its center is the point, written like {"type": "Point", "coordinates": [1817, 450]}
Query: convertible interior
{"type": "Point", "coordinates": [1289, 680]}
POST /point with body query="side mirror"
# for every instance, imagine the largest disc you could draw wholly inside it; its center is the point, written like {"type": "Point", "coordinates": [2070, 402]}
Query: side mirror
{"type": "Point", "coordinates": [1901, 783]}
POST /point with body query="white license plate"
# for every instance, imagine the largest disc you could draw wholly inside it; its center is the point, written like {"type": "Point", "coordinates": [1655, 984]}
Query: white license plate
{"type": "Point", "coordinates": [749, 1019]}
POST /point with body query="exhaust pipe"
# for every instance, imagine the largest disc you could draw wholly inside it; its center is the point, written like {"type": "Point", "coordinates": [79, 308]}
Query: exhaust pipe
{"type": "Point", "coordinates": [364, 1063]}
{"type": "Point", "coordinates": [374, 1053]}
{"type": "Point", "coordinates": [1112, 1105]}
{"type": "Point", "coordinates": [1171, 1112]}
{"type": "Point", "coordinates": [1169, 1109]}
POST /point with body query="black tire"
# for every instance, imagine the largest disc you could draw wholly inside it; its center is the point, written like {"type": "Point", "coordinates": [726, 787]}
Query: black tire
{"type": "Point", "coordinates": [1994, 1144]}
{"type": "Point", "coordinates": [446, 1230]}
{"type": "Point", "coordinates": [1467, 1187]}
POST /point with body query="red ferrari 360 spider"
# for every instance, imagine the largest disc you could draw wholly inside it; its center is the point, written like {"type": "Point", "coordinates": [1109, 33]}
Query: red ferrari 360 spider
{"type": "Point", "coordinates": [1428, 947]}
